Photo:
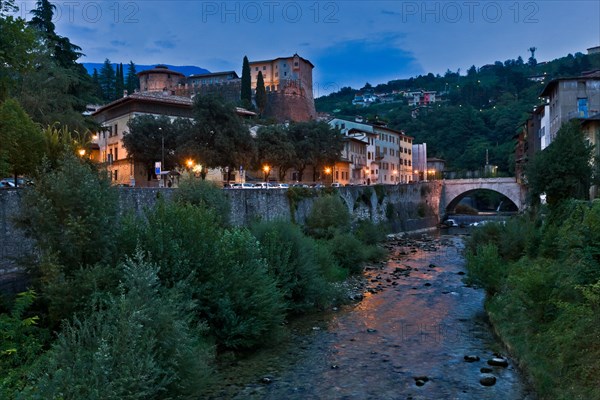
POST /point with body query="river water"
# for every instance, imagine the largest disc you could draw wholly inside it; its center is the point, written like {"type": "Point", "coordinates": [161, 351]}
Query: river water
{"type": "Point", "coordinates": [407, 339]}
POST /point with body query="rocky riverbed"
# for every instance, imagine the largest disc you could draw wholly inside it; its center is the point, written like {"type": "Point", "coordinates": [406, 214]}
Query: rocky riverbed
{"type": "Point", "coordinates": [415, 331]}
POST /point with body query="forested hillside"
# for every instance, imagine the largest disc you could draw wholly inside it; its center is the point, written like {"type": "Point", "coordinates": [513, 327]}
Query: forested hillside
{"type": "Point", "coordinates": [480, 110]}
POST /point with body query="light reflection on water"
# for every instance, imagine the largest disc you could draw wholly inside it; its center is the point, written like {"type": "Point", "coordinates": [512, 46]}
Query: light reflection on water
{"type": "Point", "coordinates": [423, 325]}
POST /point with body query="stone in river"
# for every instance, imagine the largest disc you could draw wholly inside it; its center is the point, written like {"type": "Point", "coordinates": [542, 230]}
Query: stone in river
{"type": "Point", "coordinates": [471, 358]}
{"type": "Point", "coordinates": [498, 362]}
{"type": "Point", "coordinates": [487, 380]}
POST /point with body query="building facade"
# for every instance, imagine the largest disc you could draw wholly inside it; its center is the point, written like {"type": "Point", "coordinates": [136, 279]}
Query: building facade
{"type": "Point", "coordinates": [387, 154]}
{"type": "Point", "coordinates": [114, 118]}
{"type": "Point", "coordinates": [569, 98]}
{"type": "Point", "coordinates": [289, 86]}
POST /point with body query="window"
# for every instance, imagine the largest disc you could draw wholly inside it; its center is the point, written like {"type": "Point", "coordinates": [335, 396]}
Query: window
{"type": "Point", "coordinates": [264, 67]}
{"type": "Point", "coordinates": [116, 174]}
{"type": "Point", "coordinates": [116, 153]}
{"type": "Point", "coordinates": [285, 74]}
{"type": "Point", "coordinates": [116, 129]}
{"type": "Point", "coordinates": [582, 107]}
{"type": "Point", "coordinates": [256, 68]}
{"type": "Point", "coordinates": [296, 64]}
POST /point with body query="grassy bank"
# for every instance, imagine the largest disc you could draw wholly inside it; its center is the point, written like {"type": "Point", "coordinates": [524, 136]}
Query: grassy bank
{"type": "Point", "coordinates": [542, 276]}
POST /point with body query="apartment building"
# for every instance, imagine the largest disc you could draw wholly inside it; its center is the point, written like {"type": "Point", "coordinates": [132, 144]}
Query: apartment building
{"type": "Point", "coordinates": [568, 98]}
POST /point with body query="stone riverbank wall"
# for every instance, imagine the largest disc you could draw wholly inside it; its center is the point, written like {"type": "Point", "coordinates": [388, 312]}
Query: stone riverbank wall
{"type": "Point", "coordinates": [403, 207]}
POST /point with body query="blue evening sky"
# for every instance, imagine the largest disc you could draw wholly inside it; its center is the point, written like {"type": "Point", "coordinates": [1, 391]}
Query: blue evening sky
{"type": "Point", "coordinates": [349, 42]}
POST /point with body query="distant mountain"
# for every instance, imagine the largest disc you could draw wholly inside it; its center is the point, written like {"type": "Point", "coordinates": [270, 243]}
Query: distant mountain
{"type": "Point", "coordinates": [187, 70]}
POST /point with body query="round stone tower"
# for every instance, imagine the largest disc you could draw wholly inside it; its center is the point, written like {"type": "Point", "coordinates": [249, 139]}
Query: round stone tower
{"type": "Point", "coordinates": [160, 79]}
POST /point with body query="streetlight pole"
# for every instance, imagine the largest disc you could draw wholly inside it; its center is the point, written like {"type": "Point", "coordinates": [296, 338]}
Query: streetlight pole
{"type": "Point", "coordinates": [162, 157]}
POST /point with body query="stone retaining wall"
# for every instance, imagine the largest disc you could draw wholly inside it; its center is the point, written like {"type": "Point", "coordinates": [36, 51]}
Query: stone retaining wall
{"type": "Point", "coordinates": [404, 207]}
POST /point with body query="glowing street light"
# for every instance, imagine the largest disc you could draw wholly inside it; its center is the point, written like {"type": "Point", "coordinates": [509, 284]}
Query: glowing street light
{"type": "Point", "coordinates": [81, 152]}
{"type": "Point", "coordinates": [266, 170]}
{"type": "Point", "coordinates": [327, 172]}
{"type": "Point", "coordinates": [189, 163]}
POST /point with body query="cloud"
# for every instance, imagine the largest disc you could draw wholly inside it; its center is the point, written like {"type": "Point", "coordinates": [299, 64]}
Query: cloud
{"type": "Point", "coordinates": [165, 44]}
{"type": "Point", "coordinates": [353, 62]}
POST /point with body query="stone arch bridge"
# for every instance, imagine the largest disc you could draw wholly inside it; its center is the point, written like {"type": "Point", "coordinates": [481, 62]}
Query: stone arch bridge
{"type": "Point", "coordinates": [453, 190]}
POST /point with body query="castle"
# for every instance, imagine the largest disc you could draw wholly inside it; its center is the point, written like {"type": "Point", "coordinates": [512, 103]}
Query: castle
{"type": "Point", "coordinates": [288, 82]}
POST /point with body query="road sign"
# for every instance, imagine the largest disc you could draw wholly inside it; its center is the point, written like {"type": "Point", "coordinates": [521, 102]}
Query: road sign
{"type": "Point", "coordinates": [157, 167]}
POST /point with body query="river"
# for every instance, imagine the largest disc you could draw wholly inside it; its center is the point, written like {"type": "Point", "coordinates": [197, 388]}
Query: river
{"type": "Point", "coordinates": [407, 339]}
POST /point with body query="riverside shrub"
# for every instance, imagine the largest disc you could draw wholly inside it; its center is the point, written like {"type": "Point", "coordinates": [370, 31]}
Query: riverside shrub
{"type": "Point", "coordinates": [328, 217]}
{"type": "Point", "coordinates": [204, 194]}
{"type": "Point", "coordinates": [140, 344]}
{"type": "Point", "coordinates": [240, 300]}
{"type": "Point", "coordinates": [545, 302]}
{"type": "Point", "coordinates": [292, 260]}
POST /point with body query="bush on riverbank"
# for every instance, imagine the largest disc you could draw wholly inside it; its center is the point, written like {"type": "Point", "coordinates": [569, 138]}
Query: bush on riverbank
{"type": "Point", "coordinates": [543, 281]}
{"type": "Point", "coordinates": [143, 316]}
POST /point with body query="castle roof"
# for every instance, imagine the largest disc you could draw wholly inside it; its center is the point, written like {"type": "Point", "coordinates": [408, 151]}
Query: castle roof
{"type": "Point", "coordinates": [282, 58]}
{"type": "Point", "coordinates": [160, 69]}
{"type": "Point", "coordinates": [211, 74]}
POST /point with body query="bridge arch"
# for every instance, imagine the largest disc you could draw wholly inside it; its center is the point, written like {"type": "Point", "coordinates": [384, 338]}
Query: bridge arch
{"type": "Point", "coordinates": [455, 189]}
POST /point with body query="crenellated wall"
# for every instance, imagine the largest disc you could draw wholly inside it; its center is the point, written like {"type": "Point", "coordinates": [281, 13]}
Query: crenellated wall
{"type": "Point", "coordinates": [404, 207]}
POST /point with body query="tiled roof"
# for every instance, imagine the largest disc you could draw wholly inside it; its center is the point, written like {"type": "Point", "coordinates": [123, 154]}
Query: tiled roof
{"type": "Point", "coordinates": [155, 97]}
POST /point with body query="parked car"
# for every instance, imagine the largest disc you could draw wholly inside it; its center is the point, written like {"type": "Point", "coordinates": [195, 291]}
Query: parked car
{"type": "Point", "coordinates": [261, 185]}
{"type": "Point", "coordinates": [336, 184]}
{"type": "Point", "coordinates": [20, 181]}
{"type": "Point", "coordinates": [284, 186]}
{"type": "Point", "coordinates": [242, 186]}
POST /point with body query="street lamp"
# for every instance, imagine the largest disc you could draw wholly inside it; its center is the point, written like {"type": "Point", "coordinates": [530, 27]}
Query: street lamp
{"type": "Point", "coordinates": [327, 172]}
{"type": "Point", "coordinates": [266, 170]}
{"type": "Point", "coordinates": [81, 152]}
{"type": "Point", "coordinates": [162, 157]}
{"type": "Point", "coordinates": [189, 163]}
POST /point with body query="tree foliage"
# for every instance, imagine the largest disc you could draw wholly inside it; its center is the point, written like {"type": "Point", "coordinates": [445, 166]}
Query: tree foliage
{"type": "Point", "coordinates": [70, 213]}
{"type": "Point", "coordinates": [317, 143]}
{"type": "Point", "coordinates": [220, 136]}
{"type": "Point", "coordinates": [246, 95]}
{"type": "Point", "coordinates": [140, 344]}
{"type": "Point", "coordinates": [144, 141]}
{"type": "Point", "coordinates": [21, 138]}
{"type": "Point", "coordinates": [261, 93]}
{"type": "Point", "coordinates": [276, 149]}
{"type": "Point", "coordinates": [560, 176]}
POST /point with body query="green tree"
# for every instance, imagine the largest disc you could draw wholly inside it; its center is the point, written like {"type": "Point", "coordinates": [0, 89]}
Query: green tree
{"type": "Point", "coordinates": [275, 148]}
{"type": "Point", "coordinates": [246, 95]}
{"type": "Point", "coordinates": [107, 80]}
{"type": "Point", "coordinates": [316, 143]}
{"type": "Point", "coordinates": [21, 140]}
{"type": "Point", "coordinates": [220, 136]}
{"type": "Point", "coordinates": [150, 139]}
{"type": "Point", "coordinates": [17, 42]}
{"type": "Point", "coordinates": [71, 215]}
{"type": "Point", "coordinates": [139, 344]}
{"type": "Point", "coordinates": [119, 81]}
{"type": "Point", "coordinates": [564, 169]}
{"type": "Point", "coordinates": [131, 81]}
{"type": "Point", "coordinates": [261, 94]}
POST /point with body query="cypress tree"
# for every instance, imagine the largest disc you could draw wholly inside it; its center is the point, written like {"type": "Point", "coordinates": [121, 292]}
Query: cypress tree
{"type": "Point", "coordinates": [132, 82]}
{"type": "Point", "coordinates": [246, 96]}
{"type": "Point", "coordinates": [261, 93]}
{"type": "Point", "coordinates": [107, 81]}
{"type": "Point", "coordinates": [119, 81]}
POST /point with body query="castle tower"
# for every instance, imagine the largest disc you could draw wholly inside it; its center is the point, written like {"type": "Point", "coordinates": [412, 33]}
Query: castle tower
{"type": "Point", "coordinates": [160, 79]}
{"type": "Point", "coordinates": [288, 82]}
